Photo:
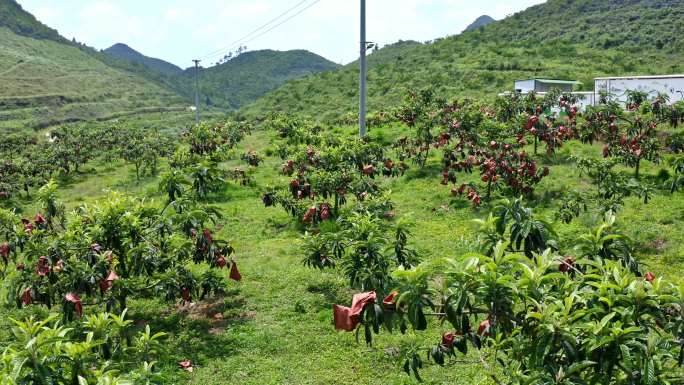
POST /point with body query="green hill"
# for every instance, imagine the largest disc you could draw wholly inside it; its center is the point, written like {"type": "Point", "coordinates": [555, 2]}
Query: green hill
{"type": "Point", "coordinates": [13, 17]}
{"type": "Point", "coordinates": [124, 52]}
{"type": "Point", "coordinates": [252, 74]}
{"type": "Point", "coordinates": [578, 39]}
{"type": "Point", "coordinates": [480, 22]}
{"type": "Point", "coordinates": [229, 85]}
{"type": "Point", "coordinates": [45, 79]}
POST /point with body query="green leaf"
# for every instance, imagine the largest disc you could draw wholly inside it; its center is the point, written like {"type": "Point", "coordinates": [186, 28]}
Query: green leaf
{"type": "Point", "coordinates": [579, 366]}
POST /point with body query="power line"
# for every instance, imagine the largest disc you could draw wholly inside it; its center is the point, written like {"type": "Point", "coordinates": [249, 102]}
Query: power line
{"type": "Point", "coordinates": [283, 22]}
{"type": "Point", "coordinates": [242, 39]}
{"type": "Point", "coordinates": [256, 30]}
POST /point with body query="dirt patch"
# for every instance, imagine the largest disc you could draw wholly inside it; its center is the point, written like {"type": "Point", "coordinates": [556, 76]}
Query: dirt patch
{"type": "Point", "coordinates": [658, 244]}
{"type": "Point", "coordinates": [216, 311]}
{"type": "Point", "coordinates": [203, 309]}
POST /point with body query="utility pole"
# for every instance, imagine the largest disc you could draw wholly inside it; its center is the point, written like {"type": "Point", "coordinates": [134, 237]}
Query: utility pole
{"type": "Point", "coordinates": [362, 73]}
{"type": "Point", "coordinates": [197, 106]}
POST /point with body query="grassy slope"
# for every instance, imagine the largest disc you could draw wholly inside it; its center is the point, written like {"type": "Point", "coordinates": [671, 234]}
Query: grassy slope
{"type": "Point", "coordinates": [44, 82]}
{"type": "Point", "coordinates": [277, 321]}
{"type": "Point", "coordinates": [579, 39]}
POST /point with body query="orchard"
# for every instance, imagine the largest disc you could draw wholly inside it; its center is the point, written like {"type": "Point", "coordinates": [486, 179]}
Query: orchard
{"type": "Point", "coordinates": [545, 284]}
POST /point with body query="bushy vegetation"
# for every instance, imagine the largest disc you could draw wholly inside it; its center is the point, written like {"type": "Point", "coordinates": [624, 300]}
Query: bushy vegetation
{"type": "Point", "coordinates": [589, 315]}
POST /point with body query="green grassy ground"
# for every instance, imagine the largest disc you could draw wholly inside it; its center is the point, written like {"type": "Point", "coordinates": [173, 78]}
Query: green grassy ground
{"type": "Point", "coordinates": [276, 325]}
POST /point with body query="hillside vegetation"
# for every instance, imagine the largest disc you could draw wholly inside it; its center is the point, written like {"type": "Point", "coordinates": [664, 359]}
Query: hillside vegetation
{"type": "Point", "coordinates": [23, 23]}
{"type": "Point", "coordinates": [122, 51]}
{"type": "Point", "coordinates": [566, 39]}
{"type": "Point", "coordinates": [229, 85]}
{"type": "Point", "coordinates": [210, 323]}
{"type": "Point", "coordinates": [480, 22]}
{"type": "Point", "coordinates": [46, 79]}
{"type": "Point", "coordinates": [250, 75]}
{"type": "Point", "coordinates": [45, 82]}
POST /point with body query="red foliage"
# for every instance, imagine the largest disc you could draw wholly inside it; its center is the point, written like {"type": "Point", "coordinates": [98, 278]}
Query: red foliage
{"type": "Point", "coordinates": [346, 318]}
{"type": "Point", "coordinates": [567, 265]}
{"type": "Point", "coordinates": [650, 277]}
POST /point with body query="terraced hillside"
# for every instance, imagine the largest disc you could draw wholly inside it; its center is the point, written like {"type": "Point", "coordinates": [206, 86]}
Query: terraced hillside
{"type": "Point", "coordinates": [44, 82]}
{"type": "Point", "coordinates": [46, 79]}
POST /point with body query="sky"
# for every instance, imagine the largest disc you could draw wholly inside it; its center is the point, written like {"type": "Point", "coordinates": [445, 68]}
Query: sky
{"type": "Point", "coordinates": [179, 30]}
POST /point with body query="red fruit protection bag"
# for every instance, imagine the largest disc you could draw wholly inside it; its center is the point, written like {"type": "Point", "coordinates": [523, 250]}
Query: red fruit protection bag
{"type": "Point", "coordinates": [346, 318]}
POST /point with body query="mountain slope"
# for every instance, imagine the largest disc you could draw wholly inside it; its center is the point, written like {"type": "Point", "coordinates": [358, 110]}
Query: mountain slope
{"type": "Point", "coordinates": [45, 79]}
{"type": "Point", "coordinates": [230, 85]}
{"type": "Point", "coordinates": [578, 39]}
{"type": "Point", "coordinates": [252, 74]}
{"type": "Point", "coordinates": [124, 52]}
{"type": "Point", "coordinates": [480, 22]}
{"type": "Point", "coordinates": [13, 17]}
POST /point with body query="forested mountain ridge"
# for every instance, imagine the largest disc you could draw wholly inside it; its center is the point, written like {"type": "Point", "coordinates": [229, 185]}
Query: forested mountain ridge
{"type": "Point", "coordinates": [250, 75]}
{"type": "Point", "coordinates": [228, 85]}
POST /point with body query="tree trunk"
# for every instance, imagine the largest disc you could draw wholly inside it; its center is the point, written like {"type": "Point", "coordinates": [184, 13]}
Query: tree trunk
{"type": "Point", "coordinates": [636, 171]}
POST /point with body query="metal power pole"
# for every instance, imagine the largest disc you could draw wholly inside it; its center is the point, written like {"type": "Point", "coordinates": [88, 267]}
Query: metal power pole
{"type": "Point", "coordinates": [197, 106]}
{"type": "Point", "coordinates": [362, 73]}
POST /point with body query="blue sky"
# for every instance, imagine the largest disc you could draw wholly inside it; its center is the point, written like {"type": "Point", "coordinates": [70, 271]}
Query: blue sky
{"type": "Point", "coordinates": [180, 30]}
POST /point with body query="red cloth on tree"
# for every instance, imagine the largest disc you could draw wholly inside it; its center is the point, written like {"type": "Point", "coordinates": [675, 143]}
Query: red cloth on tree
{"type": "Point", "coordinates": [346, 318]}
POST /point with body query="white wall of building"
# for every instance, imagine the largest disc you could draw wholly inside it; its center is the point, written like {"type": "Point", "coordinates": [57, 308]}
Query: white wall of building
{"type": "Point", "coordinates": [618, 86]}
{"type": "Point", "coordinates": [585, 99]}
{"type": "Point", "coordinates": [672, 85]}
{"type": "Point", "coordinates": [524, 86]}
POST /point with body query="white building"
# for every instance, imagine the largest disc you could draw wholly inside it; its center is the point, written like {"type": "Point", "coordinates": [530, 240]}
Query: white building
{"type": "Point", "coordinates": [544, 85]}
{"type": "Point", "coordinates": [617, 87]}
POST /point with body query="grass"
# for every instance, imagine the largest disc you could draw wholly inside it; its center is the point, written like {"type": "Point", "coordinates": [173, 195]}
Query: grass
{"type": "Point", "coordinates": [276, 324]}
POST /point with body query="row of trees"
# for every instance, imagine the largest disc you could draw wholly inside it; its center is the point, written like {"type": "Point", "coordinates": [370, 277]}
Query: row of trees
{"type": "Point", "coordinates": [540, 313]}
{"type": "Point", "coordinates": [91, 261]}
{"type": "Point", "coordinates": [29, 162]}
